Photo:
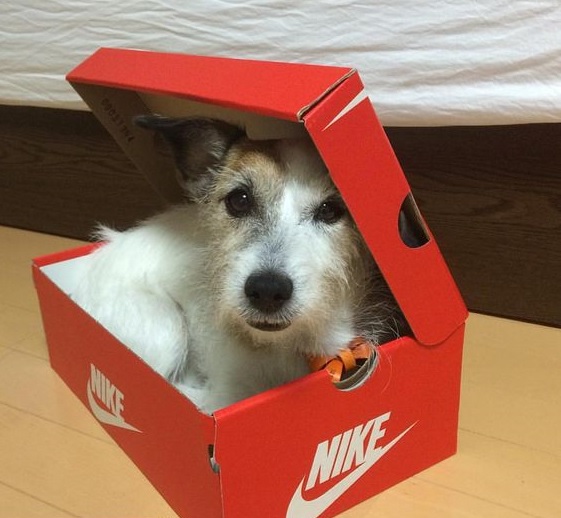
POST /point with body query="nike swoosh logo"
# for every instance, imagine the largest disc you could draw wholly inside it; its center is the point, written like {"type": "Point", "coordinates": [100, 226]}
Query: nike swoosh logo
{"type": "Point", "coordinates": [106, 417]}
{"type": "Point", "coordinates": [299, 507]}
{"type": "Point", "coordinates": [361, 96]}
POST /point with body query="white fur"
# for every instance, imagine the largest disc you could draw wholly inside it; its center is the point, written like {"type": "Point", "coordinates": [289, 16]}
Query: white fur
{"type": "Point", "coordinates": [173, 291]}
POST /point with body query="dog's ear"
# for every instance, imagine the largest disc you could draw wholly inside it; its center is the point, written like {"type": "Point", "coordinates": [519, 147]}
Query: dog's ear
{"type": "Point", "coordinates": [197, 145]}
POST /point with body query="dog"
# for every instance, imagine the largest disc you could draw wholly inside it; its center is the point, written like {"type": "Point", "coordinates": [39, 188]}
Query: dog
{"type": "Point", "coordinates": [262, 267]}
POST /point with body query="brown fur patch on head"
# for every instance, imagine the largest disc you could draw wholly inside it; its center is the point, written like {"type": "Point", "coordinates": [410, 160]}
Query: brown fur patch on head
{"type": "Point", "coordinates": [245, 163]}
{"type": "Point", "coordinates": [331, 269]}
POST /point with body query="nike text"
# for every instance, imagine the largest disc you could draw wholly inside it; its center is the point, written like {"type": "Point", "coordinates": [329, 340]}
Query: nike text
{"type": "Point", "coordinates": [108, 393]}
{"type": "Point", "coordinates": [106, 401]}
{"type": "Point", "coordinates": [345, 450]}
{"type": "Point", "coordinates": [353, 452]}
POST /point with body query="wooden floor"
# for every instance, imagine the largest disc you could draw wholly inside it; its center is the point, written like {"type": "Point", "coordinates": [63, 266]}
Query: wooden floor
{"type": "Point", "coordinates": [55, 461]}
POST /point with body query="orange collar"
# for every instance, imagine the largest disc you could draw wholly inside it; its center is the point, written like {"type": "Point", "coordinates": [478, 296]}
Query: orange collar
{"type": "Point", "coordinates": [345, 360]}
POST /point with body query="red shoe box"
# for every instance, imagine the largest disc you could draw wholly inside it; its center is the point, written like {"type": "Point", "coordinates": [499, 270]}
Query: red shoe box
{"type": "Point", "coordinates": [306, 449]}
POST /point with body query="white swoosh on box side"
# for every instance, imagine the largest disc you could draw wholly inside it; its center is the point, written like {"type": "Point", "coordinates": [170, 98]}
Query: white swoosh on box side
{"type": "Point", "coordinates": [299, 507]}
{"type": "Point", "coordinates": [106, 417]}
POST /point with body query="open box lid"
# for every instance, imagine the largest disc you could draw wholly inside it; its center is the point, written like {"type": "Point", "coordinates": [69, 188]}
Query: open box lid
{"type": "Point", "coordinates": [276, 100]}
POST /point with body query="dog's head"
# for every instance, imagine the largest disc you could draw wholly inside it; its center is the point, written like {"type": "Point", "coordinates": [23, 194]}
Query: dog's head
{"type": "Point", "coordinates": [287, 266]}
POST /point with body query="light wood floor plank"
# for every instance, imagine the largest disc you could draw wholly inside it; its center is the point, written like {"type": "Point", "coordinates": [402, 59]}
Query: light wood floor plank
{"type": "Point", "coordinates": [18, 325]}
{"type": "Point", "coordinates": [512, 382]}
{"type": "Point", "coordinates": [17, 504]}
{"type": "Point", "coordinates": [71, 471]}
{"type": "Point", "coordinates": [30, 385]}
{"type": "Point", "coordinates": [421, 499]}
{"type": "Point", "coordinates": [509, 475]}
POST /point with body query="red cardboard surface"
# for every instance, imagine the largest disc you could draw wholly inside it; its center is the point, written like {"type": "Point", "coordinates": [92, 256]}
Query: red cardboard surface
{"type": "Point", "coordinates": [305, 449]}
{"type": "Point", "coordinates": [276, 89]}
{"type": "Point", "coordinates": [409, 397]}
{"type": "Point", "coordinates": [368, 175]}
{"type": "Point", "coordinates": [160, 429]}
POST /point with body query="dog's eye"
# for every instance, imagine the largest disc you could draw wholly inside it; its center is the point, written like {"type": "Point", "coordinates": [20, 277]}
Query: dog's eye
{"type": "Point", "coordinates": [239, 202]}
{"type": "Point", "coordinates": [330, 211]}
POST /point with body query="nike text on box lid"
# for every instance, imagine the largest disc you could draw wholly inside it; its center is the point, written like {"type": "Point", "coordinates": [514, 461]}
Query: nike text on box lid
{"type": "Point", "coordinates": [304, 449]}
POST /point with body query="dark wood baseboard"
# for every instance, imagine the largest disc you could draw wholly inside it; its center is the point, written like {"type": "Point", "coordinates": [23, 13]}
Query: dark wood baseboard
{"type": "Point", "coordinates": [490, 194]}
{"type": "Point", "coordinates": [61, 173]}
{"type": "Point", "coordinates": [492, 197]}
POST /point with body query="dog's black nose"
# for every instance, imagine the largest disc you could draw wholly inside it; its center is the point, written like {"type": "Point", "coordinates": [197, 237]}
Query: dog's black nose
{"type": "Point", "coordinates": [268, 291]}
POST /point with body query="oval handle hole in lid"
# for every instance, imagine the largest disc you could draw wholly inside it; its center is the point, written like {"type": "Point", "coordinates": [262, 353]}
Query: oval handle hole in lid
{"type": "Point", "coordinates": [412, 228]}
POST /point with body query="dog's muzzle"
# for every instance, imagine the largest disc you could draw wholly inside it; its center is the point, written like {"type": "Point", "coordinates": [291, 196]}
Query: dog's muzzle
{"type": "Point", "coordinates": [268, 293]}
